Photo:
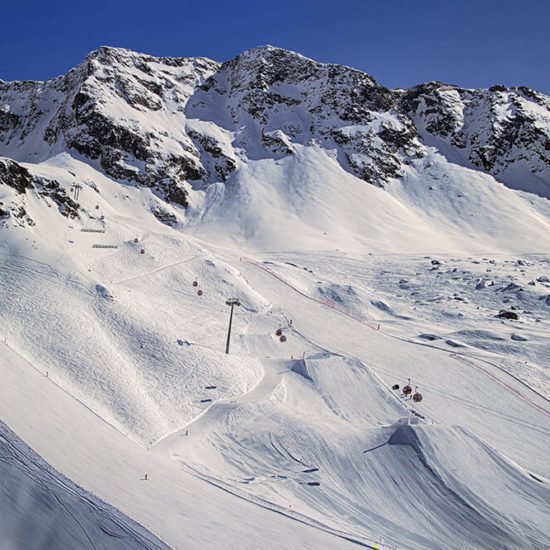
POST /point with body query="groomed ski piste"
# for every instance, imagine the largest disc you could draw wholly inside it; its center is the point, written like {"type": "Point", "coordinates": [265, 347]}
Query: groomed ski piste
{"type": "Point", "coordinates": [47, 510]}
{"type": "Point", "coordinates": [113, 366]}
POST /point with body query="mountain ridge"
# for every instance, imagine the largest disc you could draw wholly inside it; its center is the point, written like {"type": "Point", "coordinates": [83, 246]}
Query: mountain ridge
{"type": "Point", "coordinates": [181, 127]}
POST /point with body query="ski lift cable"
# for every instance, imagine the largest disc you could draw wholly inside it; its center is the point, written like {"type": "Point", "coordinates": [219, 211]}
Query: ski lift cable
{"type": "Point", "coordinates": [409, 341]}
{"type": "Point", "coordinates": [476, 405]}
{"type": "Point", "coordinates": [468, 402]}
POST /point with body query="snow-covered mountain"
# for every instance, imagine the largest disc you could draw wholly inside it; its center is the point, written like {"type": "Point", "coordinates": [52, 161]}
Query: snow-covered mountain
{"type": "Point", "coordinates": [370, 235]}
{"type": "Point", "coordinates": [196, 132]}
{"type": "Point", "coordinates": [502, 131]}
{"type": "Point", "coordinates": [122, 110]}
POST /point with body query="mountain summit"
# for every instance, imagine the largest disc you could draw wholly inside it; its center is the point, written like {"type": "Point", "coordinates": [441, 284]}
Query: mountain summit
{"type": "Point", "coordinates": [183, 127]}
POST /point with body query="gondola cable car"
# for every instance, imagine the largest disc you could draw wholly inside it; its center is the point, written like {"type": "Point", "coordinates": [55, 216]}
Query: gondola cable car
{"type": "Point", "coordinates": [417, 397]}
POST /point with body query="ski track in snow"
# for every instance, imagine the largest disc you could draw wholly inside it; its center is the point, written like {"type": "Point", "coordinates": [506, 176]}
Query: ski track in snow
{"type": "Point", "coordinates": [460, 356]}
{"type": "Point", "coordinates": [100, 525]}
{"type": "Point", "coordinates": [206, 423]}
{"type": "Point", "coordinates": [301, 444]}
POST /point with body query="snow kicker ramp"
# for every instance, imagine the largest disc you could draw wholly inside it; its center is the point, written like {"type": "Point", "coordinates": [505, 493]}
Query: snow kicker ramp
{"type": "Point", "coordinates": [304, 442]}
{"type": "Point", "coordinates": [452, 490]}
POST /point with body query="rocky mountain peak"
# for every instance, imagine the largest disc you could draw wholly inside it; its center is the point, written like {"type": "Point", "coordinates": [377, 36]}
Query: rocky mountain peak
{"type": "Point", "coordinates": [272, 64]}
{"type": "Point", "coordinates": [177, 123]}
{"type": "Point", "coordinates": [502, 131]}
{"type": "Point", "coordinates": [123, 58]}
{"type": "Point", "coordinates": [288, 99]}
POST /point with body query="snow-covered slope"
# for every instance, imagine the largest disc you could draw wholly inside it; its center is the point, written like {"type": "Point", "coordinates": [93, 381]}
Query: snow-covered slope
{"type": "Point", "coordinates": [387, 234]}
{"type": "Point", "coordinates": [43, 509]}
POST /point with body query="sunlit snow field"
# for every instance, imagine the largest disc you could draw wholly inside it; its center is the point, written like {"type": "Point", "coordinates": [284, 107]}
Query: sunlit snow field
{"type": "Point", "coordinates": [114, 366]}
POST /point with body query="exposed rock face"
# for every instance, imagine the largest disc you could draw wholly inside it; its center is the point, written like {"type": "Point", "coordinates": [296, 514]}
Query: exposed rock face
{"type": "Point", "coordinates": [118, 108]}
{"type": "Point", "coordinates": [504, 314]}
{"type": "Point", "coordinates": [163, 216]}
{"type": "Point", "coordinates": [273, 98]}
{"type": "Point", "coordinates": [171, 123]}
{"type": "Point", "coordinates": [502, 131]}
{"type": "Point", "coordinates": [13, 175]}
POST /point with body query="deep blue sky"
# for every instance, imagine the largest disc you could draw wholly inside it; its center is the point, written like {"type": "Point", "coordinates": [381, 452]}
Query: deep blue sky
{"type": "Point", "coordinates": [399, 42]}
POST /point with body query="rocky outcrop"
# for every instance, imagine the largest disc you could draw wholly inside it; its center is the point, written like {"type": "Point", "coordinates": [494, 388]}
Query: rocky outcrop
{"type": "Point", "coordinates": [175, 123]}
{"type": "Point", "coordinates": [13, 175]}
{"type": "Point", "coordinates": [163, 216]}
{"type": "Point", "coordinates": [216, 163]}
{"type": "Point", "coordinates": [502, 131]}
{"type": "Point", "coordinates": [16, 176]}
